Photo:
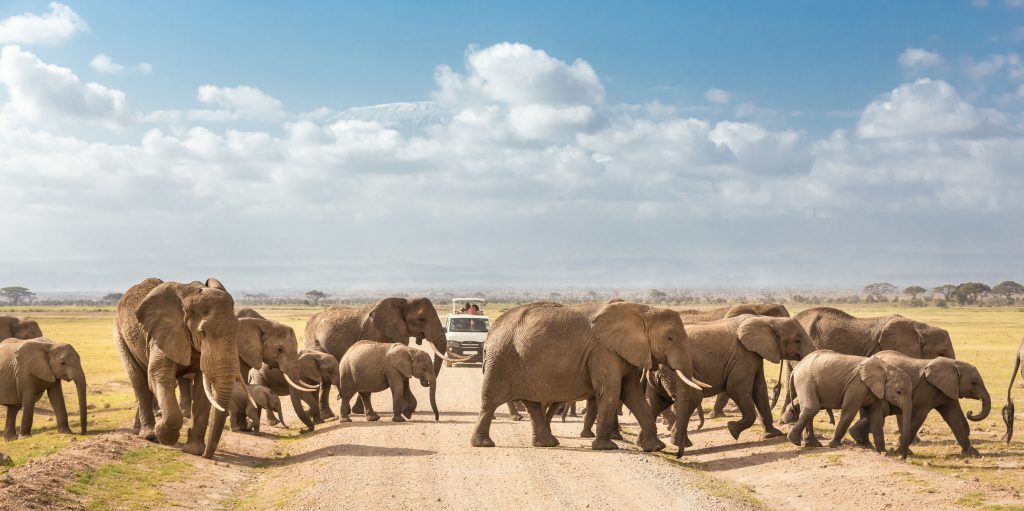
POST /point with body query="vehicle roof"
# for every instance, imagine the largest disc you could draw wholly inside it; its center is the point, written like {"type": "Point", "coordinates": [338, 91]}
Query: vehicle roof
{"type": "Point", "coordinates": [481, 300]}
{"type": "Point", "coordinates": [467, 316]}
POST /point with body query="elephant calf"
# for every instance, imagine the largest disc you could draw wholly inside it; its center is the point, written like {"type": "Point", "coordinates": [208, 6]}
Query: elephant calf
{"type": "Point", "coordinates": [247, 407]}
{"type": "Point", "coordinates": [370, 366]}
{"type": "Point", "coordinates": [826, 379]}
{"type": "Point", "coordinates": [939, 384]}
{"type": "Point", "coordinates": [27, 368]}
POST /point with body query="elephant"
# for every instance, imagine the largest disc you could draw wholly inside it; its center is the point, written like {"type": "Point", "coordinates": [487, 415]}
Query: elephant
{"type": "Point", "coordinates": [261, 341]}
{"type": "Point", "coordinates": [27, 368]}
{"type": "Point", "coordinates": [729, 355]}
{"type": "Point", "coordinates": [12, 327]}
{"type": "Point", "coordinates": [1008, 409]}
{"type": "Point", "coordinates": [836, 330]}
{"type": "Point", "coordinates": [164, 330]}
{"type": "Point", "coordinates": [370, 366]}
{"type": "Point", "coordinates": [827, 379]}
{"type": "Point", "coordinates": [247, 405]}
{"type": "Point", "coordinates": [246, 312]}
{"type": "Point", "coordinates": [392, 320]}
{"type": "Point", "coordinates": [938, 384]}
{"type": "Point", "coordinates": [548, 352]}
{"type": "Point", "coordinates": [277, 382]}
{"type": "Point", "coordinates": [776, 310]}
{"type": "Point", "coordinates": [327, 367]}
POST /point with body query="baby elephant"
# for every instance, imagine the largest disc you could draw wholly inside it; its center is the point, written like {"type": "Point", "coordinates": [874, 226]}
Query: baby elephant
{"type": "Point", "coordinates": [27, 368]}
{"type": "Point", "coordinates": [939, 384]}
{"type": "Point", "coordinates": [826, 379]}
{"type": "Point", "coordinates": [370, 366]}
{"type": "Point", "coordinates": [246, 408]}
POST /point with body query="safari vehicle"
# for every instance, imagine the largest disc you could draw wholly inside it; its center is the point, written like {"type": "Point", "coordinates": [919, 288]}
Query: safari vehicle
{"type": "Point", "coordinates": [467, 329]}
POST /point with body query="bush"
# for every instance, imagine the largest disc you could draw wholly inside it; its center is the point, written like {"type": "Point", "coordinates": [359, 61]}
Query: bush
{"type": "Point", "coordinates": [940, 302]}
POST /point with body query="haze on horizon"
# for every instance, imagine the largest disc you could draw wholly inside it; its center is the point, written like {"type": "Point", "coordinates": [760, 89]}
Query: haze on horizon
{"type": "Point", "coordinates": [398, 146]}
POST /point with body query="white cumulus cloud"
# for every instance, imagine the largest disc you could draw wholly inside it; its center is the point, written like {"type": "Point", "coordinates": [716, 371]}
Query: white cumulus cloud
{"type": "Point", "coordinates": [717, 96]}
{"type": "Point", "coordinates": [103, 63]}
{"type": "Point", "coordinates": [919, 60]}
{"type": "Point", "coordinates": [53, 27]}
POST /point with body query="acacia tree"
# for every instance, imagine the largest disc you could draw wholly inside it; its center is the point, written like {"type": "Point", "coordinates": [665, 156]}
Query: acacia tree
{"type": "Point", "coordinates": [946, 290]}
{"type": "Point", "coordinates": [913, 291]}
{"type": "Point", "coordinates": [15, 294]}
{"type": "Point", "coordinates": [1008, 288]}
{"type": "Point", "coordinates": [968, 292]}
{"type": "Point", "coordinates": [879, 290]}
{"type": "Point", "coordinates": [657, 295]}
{"type": "Point", "coordinates": [315, 295]}
{"type": "Point", "coordinates": [112, 297]}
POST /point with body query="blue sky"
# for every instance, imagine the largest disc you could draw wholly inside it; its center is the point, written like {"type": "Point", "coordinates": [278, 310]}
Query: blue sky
{"type": "Point", "coordinates": [716, 144]}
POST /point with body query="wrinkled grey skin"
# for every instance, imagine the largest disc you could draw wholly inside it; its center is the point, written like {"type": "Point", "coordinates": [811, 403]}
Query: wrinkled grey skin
{"type": "Point", "coordinates": [327, 367]}
{"type": "Point", "coordinates": [939, 384]}
{"type": "Point", "coordinates": [29, 367]}
{"type": "Point", "coordinates": [394, 320]}
{"type": "Point", "coordinates": [16, 328]}
{"type": "Point", "coordinates": [309, 373]}
{"type": "Point", "coordinates": [369, 367]}
{"type": "Point", "coordinates": [835, 330]}
{"type": "Point", "coordinates": [1009, 410]}
{"type": "Point", "coordinates": [776, 310]}
{"type": "Point", "coordinates": [164, 330]}
{"type": "Point", "coordinates": [729, 355]}
{"type": "Point", "coordinates": [245, 416]}
{"type": "Point", "coordinates": [549, 353]}
{"type": "Point", "coordinates": [826, 379]}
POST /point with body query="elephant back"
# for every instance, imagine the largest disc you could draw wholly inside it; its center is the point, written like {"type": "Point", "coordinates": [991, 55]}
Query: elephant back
{"type": "Point", "coordinates": [334, 330]}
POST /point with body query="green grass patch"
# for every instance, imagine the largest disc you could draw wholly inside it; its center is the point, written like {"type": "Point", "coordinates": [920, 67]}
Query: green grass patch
{"type": "Point", "coordinates": [132, 482]}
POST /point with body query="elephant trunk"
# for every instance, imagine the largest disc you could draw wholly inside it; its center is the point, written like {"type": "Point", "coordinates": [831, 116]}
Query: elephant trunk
{"type": "Point", "coordinates": [83, 407]}
{"type": "Point", "coordinates": [220, 374]}
{"type": "Point", "coordinates": [433, 396]}
{"type": "Point", "coordinates": [1008, 409]}
{"type": "Point", "coordinates": [986, 406]}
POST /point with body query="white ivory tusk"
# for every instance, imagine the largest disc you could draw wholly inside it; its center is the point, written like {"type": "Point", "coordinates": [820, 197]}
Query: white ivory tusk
{"type": "Point", "coordinates": [209, 393]}
{"type": "Point", "coordinates": [301, 387]}
{"type": "Point", "coordinates": [442, 355]}
{"type": "Point", "coordinates": [687, 380]}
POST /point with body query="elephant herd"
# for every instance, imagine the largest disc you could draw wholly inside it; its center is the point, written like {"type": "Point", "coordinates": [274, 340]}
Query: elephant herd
{"type": "Point", "coordinates": [616, 352]}
{"type": "Point", "coordinates": [189, 354]}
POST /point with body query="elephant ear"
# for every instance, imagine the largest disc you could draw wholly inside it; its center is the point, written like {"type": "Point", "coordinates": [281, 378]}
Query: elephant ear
{"type": "Point", "coordinates": [214, 283]}
{"type": "Point", "coordinates": [900, 334]}
{"type": "Point", "coordinates": [261, 395]}
{"type": "Point", "coordinates": [401, 359]}
{"type": "Point", "coordinates": [250, 340]}
{"type": "Point", "coordinates": [27, 329]}
{"type": "Point", "coordinates": [872, 373]}
{"type": "Point", "coordinates": [943, 373]}
{"type": "Point", "coordinates": [7, 324]}
{"type": "Point", "coordinates": [34, 356]}
{"type": "Point", "coordinates": [757, 335]}
{"type": "Point", "coordinates": [619, 326]}
{"type": "Point", "coordinates": [388, 317]}
{"type": "Point", "coordinates": [162, 316]}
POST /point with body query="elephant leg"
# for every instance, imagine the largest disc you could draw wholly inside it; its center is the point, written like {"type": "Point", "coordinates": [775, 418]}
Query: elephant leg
{"type": "Point", "coordinates": [846, 415]}
{"type": "Point", "coordinates": [314, 406]}
{"type": "Point", "coordinates": [325, 403]}
{"type": "Point", "coordinates": [859, 430]}
{"type": "Point", "coordinates": [764, 405]}
{"type": "Point", "coordinates": [743, 396]}
{"type": "Point", "coordinates": [633, 398]}
{"type": "Point", "coordinates": [10, 431]}
{"type": "Point", "coordinates": [60, 410]}
{"type": "Point", "coordinates": [168, 428]}
{"type": "Point", "coordinates": [607, 408]}
{"type": "Point", "coordinates": [720, 401]}
{"type": "Point", "coordinates": [410, 401]}
{"type": "Point", "coordinates": [371, 415]}
{"type": "Point", "coordinates": [399, 386]}
{"type": "Point", "coordinates": [28, 408]}
{"type": "Point", "coordinates": [542, 436]}
{"type": "Point", "coordinates": [346, 397]}
{"type": "Point", "coordinates": [685, 404]}
{"type": "Point", "coordinates": [257, 418]}
{"type": "Point", "coordinates": [185, 396]}
{"type": "Point", "coordinates": [300, 411]}
{"type": "Point", "coordinates": [589, 417]}
{"type": "Point", "coordinates": [831, 416]}
{"type": "Point", "coordinates": [216, 430]}
{"type": "Point", "coordinates": [481, 434]}
{"type": "Point", "coordinates": [805, 424]}
{"type": "Point", "coordinates": [196, 443]}
{"type": "Point", "coordinates": [513, 413]}
{"type": "Point", "coordinates": [876, 418]}
{"type": "Point", "coordinates": [954, 417]}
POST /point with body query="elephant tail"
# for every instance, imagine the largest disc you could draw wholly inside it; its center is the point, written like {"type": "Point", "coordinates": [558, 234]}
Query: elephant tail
{"type": "Point", "coordinates": [1008, 410]}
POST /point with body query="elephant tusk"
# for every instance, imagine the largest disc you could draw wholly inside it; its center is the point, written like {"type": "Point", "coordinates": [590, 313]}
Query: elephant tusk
{"type": "Point", "coordinates": [702, 384]}
{"type": "Point", "coordinates": [460, 357]}
{"type": "Point", "coordinates": [442, 355]}
{"type": "Point", "coordinates": [687, 380]}
{"type": "Point", "coordinates": [209, 394]}
{"type": "Point", "coordinates": [300, 387]}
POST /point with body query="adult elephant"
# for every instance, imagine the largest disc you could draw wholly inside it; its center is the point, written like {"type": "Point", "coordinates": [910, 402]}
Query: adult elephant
{"type": "Point", "coordinates": [938, 384]}
{"type": "Point", "coordinates": [835, 330]}
{"type": "Point", "coordinates": [166, 329]}
{"type": "Point", "coordinates": [17, 328]}
{"type": "Point", "coordinates": [29, 367]}
{"type": "Point", "coordinates": [776, 310]}
{"type": "Point", "coordinates": [1009, 410]}
{"type": "Point", "coordinates": [729, 355]}
{"type": "Point", "coordinates": [548, 353]}
{"type": "Point", "coordinates": [394, 319]}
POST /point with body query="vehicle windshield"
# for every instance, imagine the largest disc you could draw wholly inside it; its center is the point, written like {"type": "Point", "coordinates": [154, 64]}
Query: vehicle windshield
{"type": "Point", "coordinates": [468, 325]}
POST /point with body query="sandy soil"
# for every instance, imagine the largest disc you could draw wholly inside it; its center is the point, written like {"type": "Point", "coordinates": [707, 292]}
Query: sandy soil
{"type": "Point", "coordinates": [388, 465]}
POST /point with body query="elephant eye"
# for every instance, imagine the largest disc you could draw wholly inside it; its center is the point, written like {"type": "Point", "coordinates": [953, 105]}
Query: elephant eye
{"type": "Point", "coordinates": [280, 349]}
